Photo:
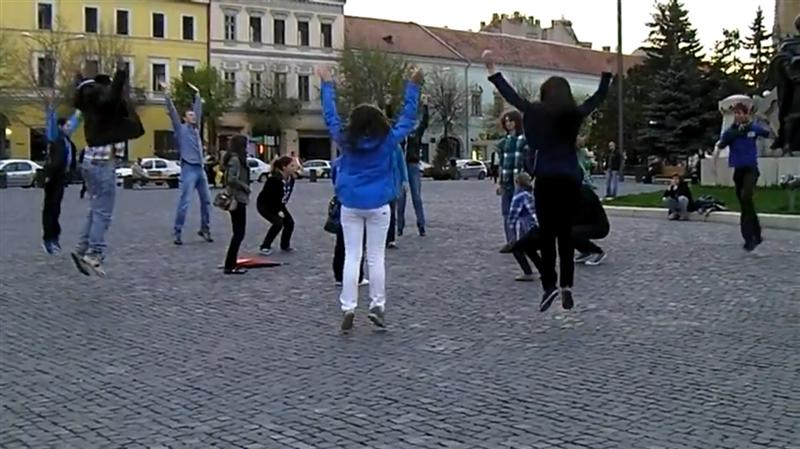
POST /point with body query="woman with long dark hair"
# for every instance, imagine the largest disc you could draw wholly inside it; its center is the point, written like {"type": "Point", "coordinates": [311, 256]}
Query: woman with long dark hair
{"type": "Point", "coordinates": [366, 182]}
{"type": "Point", "coordinates": [272, 201]}
{"type": "Point", "coordinates": [237, 182]}
{"type": "Point", "coordinates": [551, 128]}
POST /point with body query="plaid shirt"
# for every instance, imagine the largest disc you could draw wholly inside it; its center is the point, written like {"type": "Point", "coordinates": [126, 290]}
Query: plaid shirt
{"type": "Point", "coordinates": [288, 188]}
{"type": "Point", "coordinates": [105, 152]}
{"type": "Point", "coordinates": [522, 213]}
{"type": "Point", "coordinates": [511, 157]}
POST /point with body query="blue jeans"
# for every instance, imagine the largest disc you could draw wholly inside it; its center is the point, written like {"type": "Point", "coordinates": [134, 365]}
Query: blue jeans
{"type": "Point", "coordinates": [193, 177]}
{"type": "Point", "coordinates": [612, 183]}
{"type": "Point", "coordinates": [505, 206]}
{"type": "Point", "coordinates": [101, 184]}
{"type": "Point", "coordinates": [415, 186]}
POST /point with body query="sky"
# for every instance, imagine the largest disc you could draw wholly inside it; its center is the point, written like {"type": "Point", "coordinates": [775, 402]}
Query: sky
{"type": "Point", "coordinates": [594, 21]}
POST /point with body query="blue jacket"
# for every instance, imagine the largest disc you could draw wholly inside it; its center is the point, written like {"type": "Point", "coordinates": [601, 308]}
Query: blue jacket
{"type": "Point", "coordinates": [366, 177]}
{"type": "Point", "coordinates": [187, 136]}
{"type": "Point", "coordinates": [741, 141]}
{"type": "Point", "coordinates": [59, 140]}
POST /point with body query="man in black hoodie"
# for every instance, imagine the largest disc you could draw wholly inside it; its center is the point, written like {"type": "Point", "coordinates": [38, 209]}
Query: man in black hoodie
{"type": "Point", "coordinates": [109, 122]}
{"type": "Point", "coordinates": [412, 147]}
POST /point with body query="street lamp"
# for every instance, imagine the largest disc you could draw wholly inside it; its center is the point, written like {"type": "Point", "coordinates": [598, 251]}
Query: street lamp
{"type": "Point", "coordinates": [620, 90]}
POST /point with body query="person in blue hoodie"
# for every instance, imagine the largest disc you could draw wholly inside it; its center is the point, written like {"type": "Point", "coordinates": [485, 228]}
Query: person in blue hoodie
{"type": "Point", "coordinates": [551, 127]}
{"type": "Point", "coordinates": [366, 182]}
{"type": "Point", "coordinates": [741, 138]}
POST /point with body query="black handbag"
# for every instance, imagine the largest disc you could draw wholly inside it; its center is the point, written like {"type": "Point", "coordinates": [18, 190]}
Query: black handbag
{"type": "Point", "coordinates": [333, 223]}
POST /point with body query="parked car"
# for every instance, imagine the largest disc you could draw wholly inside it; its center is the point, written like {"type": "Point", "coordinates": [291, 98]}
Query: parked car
{"type": "Point", "coordinates": [322, 167]}
{"type": "Point", "coordinates": [19, 172]}
{"type": "Point", "coordinates": [470, 168]}
{"type": "Point", "coordinates": [159, 171]}
{"type": "Point", "coordinates": [259, 170]}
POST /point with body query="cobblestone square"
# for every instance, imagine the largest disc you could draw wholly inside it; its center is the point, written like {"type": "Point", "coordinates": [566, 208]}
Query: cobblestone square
{"type": "Point", "coordinates": [679, 340]}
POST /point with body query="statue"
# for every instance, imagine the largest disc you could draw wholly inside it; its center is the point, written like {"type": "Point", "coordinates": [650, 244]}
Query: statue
{"type": "Point", "coordinates": [784, 74]}
{"type": "Point", "coordinates": [765, 113]}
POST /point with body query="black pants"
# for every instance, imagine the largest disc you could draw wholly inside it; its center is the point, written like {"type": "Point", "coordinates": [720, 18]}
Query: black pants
{"type": "Point", "coordinates": [238, 224]}
{"type": "Point", "coordinates": [745, 179]}
{"type": "Point", "coordinates": [583, 234]}
{"type": "Point", "coordinates": [391, 234]}
{"type": "Point", "coordinates": [283, 226]}
{"type": "Point", "coordinates": [557, 200]}
{"type": "Point", "coordinates": [51, 211]}
{"type": "Point", "coordinates": [526, 248]}
{"type": "Point", "coordinates": [338, 258]}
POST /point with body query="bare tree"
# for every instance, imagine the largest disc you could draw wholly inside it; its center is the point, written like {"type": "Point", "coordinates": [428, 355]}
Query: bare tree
{"type": "Point", "coordinates": [370, 76]}
{"type": "Point", "coordinates": [448, 105]}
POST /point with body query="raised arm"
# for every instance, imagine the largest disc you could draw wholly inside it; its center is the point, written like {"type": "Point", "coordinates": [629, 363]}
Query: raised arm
{"type": "Point", "coordinates": [197, 106]}
{"type": "Point", "coordinates": [73, 122]}
{"type": "Point", "coordinates": [173, 113]}
{"type": "Point", "coordinates": [119, 81]}
{"type": "Point", "coordinates": [598, 97]}
{"type": "Point", "coordinates": [51, 123]}
{"type": "Point", "coordinates": [506, 91]}
{"type": "Point", "coordinates": [329, 111]}
{"type": "Point", "coordinates": [408, 116]}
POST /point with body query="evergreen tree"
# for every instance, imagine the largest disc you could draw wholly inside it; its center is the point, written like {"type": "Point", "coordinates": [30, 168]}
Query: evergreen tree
{"type": "Point", "coordinates": [759, 45]}
{"type": "Point", "coordinates": [727, 53]}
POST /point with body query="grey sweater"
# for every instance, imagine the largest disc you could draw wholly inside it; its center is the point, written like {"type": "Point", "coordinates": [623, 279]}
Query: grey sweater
{"type": "Point", "coordinates": [237, 180]}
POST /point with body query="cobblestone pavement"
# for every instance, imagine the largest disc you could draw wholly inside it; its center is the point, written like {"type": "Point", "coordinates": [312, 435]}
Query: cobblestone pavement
{"type": "Point", "coordinates": [681, 340]}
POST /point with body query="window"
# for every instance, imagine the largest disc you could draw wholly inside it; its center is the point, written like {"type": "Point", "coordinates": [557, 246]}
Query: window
{"type": "Point", "coordinates": [90, 19]}
{"type": "Point", "coordinates": [255, 84]}
{"type": "Point", "coordinates": [45, 16]}
{"type": "Point", "coordinates": [280, 85]}
{"type": "Point", "coordinates": [91, 67]}
{"type": "Point", "coordinates": [148, 165]}
{"type": "Point", "coordinates": [122, 22]}
{"type": "Point", "coordinates": [230, 81]}
{"type": "Point", "coordinates": [188, 28]}
{"type": "Point", "coordinates": [303, 90]}
{"type": "Point", "coordinates": [302, 34]}
{"type": "Point", "coordinates": [230, 27]}
{"type": "Point", "coordinates": [187, 69]}
{"type": "Point", "coordinates": [159, 72]}
{"type": "Point", "coordinates": [326, 29]}
{"type": "Point", "coordinates": [46, 71]}
{"type": "Point", "coordinates": [280, 32]}
{"type": "Point", "coordinates": [475, 103]}
{"type": "Point", "coordinates": [255, 29]}
{"type": "Point", "coordinates": [160, 164]}
{"type": "Point", "coordinates": [163, 146]}
{"type": "Point", "coordinates": [159, 25]}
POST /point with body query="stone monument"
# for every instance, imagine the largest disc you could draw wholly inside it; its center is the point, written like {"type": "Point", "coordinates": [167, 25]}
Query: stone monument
{"type": "Point", "coordinates": [784, 74]}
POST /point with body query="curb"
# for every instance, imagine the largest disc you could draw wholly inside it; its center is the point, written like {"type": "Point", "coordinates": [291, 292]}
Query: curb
{"type": "Point", "coordinates": [772, 221]}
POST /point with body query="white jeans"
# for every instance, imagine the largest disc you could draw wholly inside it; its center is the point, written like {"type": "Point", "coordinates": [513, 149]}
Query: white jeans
{"type": "Point", "coordinates": [377, 224]}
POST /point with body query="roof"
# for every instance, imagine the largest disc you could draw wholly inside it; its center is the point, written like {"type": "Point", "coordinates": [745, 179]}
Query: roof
{"type": "Point", "coordinates": [413, 40]}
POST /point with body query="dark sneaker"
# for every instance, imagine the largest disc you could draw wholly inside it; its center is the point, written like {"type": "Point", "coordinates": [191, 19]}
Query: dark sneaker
{"type": "Point", "coordinates": [525, 278]}
{"type": "Point", "coordinates": [595, 259]}
{"type": "Point", "coordinates": [582, 257]}
{"type": "Point", "coordinates": [547, 299]}
{"type": "Point", "coordinates": [507, 249]}
{"type": "Point", "coordinates": [48, 248]}
{"type": "Point", "coordinates": [178, 240]}
{"type": "Point", "coordinates": [750, 245]}
{"type": "Point", "coordinates": [391, 245]}
{"type": "Point", "coordinates": [235, 271]}
{"type": "Point", "coordinates": [566, 299]}
{"type": "Point", "coordinates": [288, 250]}
{"type": "Point", "coordinates": [376, 315]}
{"type": "Point", "coordinates": [422, 232]}
{"type": "Point", "coordinates": [347, 320]}
{"type": "Point", "coordinates": [94, 264]}
{"type": "Point", "coordinates": [79, 264]}
{"type": "Point", "coordinates": [206, 235]}
{"type": "Point", "coordinates": [399, 232]}
{"type": "Point", "coordinates": [56, 246]}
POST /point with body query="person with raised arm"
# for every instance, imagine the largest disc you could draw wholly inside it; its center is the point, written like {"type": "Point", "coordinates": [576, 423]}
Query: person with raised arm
{"type": "Point", "coordinates": [365, 185]}
{"type": "Point", "coordinates": [551, 127]}
{"type": "Point", "coordinates": [193, 175]}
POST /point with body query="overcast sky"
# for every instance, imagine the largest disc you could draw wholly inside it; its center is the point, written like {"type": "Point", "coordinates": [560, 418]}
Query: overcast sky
{"type": "Point", "coordinates": [593, 20]}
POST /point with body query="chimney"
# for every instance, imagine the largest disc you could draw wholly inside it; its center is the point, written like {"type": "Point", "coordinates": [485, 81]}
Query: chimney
{"type": "Point", "coordinates": [607, 49]}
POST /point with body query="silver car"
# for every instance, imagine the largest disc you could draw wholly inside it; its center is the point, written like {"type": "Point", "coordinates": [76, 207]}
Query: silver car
{"type": "Point", "coordinates": [19, 172]}
{"type": "Point", "coordinates": [470, 168]}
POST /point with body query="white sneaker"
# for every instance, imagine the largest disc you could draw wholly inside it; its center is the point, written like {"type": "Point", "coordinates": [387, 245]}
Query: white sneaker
{"type": "Point", "coordinates": [363, 283]}
{"type": "Point", "coordinates": [94, 264]}
{"type": "Point", "coordinates": [596, 259]}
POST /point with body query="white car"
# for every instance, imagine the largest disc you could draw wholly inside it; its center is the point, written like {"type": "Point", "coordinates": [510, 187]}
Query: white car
{"type": "Point", "coordinates": [471, 168]}
{"type": "Point", "coordinates": [157, 169]}
{"type": "Point", "coordinates": [321, 167]}
{"type": "Point", "coordinates": [259, 170]}
{"type": "Point", "coordinates": [19, 172]}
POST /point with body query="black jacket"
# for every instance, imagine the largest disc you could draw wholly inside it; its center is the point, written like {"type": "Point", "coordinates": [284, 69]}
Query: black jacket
{"type": "Point", "coordinates": [591, 212]}
{"type": "Point", "coordinates": [614, 161]}
{"type": "Point", "coordinates": [270, 200]}
{"type": "Point", "coordinates": [108, 116]}
{"type": "Point", "coordinates": [56, 163]}
{"type": "Point", "coordinates": [682, 189]}
{"type": "Point", "coordinates": [413, 143]}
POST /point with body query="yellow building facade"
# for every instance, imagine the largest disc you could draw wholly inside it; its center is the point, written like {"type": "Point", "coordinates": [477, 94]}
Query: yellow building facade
{"type": "Point", "coordinates": [157, 39]}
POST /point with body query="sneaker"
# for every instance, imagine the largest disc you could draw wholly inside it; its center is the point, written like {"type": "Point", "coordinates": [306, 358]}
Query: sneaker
{"type": "Point", "coordinates": [94, 264]}
{"type": "Point", "coordinates": [507, 249]}
{"type": "Point", "coordinates": [338, 283]}
{"type": "Point", "coordinates": [177, 241]}
{"type": "Point", "coordinates": [674, 217]}
{"type": "Point", "coordinates": [525, 278]}
{"type": "Point", "coordinates": [48, 248]}
{"type": "Point", "coordinates": [391, 245]}
{"type": "Point", "coordinates": [56, 247]}
{"type": "Point", "coordinates": [376, 315]}
{"type": "Point", "coordinates": [566, 299]}
{"type": "Point", "coordinates": [206, 235]}
{"type": "Point", "coordinates": [595, 259]}
{"type": "Point", "coordinates": [399, 232]}
{"type": "Point", "coordinates": [235, 271]}
{"type": "Point", "coordinates": [288, 250]}
{"type": "Point", "coordinates": [265, 251]}
{"type": "Point", "coordinates": [79, 264]}
{"type": "Point", "coordinates": [582, 257]}
{"type": "Point", "coordinates": [422, 232]}
{"type": "Point", "coordinates": [347, 320]}
{"type": "Point", "coordinates": [547, 299]}
{"type": "Point", "coordinates": [363, 283]}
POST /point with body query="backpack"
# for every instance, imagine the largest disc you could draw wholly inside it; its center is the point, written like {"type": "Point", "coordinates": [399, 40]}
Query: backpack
{"type": "Point", "coordinates": [333, 223]}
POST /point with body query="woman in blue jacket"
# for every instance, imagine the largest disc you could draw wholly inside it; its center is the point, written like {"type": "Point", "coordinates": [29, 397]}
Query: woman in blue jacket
{"type": "Point", "coordinates": [365, 185]}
